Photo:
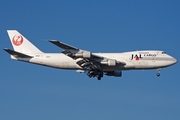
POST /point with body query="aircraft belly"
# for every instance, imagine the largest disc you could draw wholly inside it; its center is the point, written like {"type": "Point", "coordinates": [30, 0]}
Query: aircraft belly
{"type": "Point", "coordinates": [56, 61]}
{"type": "Point", "coordinates": [113, 68]}
{"type": "Point", "coordinates": [141, 64]}
{"type": "Point", "coordinates": [156, 64]}
{"type": "Point", "coordinates": [62, 64]}
{"type": "Point", "coordinates": [68, 65]}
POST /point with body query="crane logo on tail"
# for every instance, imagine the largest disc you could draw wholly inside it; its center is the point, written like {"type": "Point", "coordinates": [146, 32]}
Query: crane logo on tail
{"type": "Point", "coordinates": [17, 40]}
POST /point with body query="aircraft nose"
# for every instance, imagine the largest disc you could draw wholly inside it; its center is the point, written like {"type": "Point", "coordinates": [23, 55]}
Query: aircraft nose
{"type": "Point", "coordinates": [174, 61]}
{"type": "Point", "coordinates": [171, 61]}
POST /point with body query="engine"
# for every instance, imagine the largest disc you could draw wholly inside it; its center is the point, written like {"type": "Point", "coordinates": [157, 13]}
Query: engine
{"type": "Point", "coordinates": [109, 62]}
{"type": "Point", "coordinates": [84, 54]}
{"type": "Point", "coordinates": [114, 73]}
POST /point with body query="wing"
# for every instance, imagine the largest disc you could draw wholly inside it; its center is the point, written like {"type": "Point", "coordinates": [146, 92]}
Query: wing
{"type": "Point", "coordinates": [86, 59]}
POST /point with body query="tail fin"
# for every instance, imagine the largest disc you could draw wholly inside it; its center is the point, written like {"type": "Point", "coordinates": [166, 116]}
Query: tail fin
{"type": "Point", "coordinates": [21, 44]}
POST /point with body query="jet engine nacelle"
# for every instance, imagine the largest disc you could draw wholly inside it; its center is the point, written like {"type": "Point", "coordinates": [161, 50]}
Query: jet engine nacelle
{"type": "Point", "coordinates": [84, 54]}
{"type": "Point", "coordinates": [109, 62]}
{"type": "Point", "coordinates": [114, 73]}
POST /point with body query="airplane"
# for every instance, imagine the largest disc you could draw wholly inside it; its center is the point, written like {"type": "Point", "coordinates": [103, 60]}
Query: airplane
{"type": "Point", "coordinates": [83, 61]}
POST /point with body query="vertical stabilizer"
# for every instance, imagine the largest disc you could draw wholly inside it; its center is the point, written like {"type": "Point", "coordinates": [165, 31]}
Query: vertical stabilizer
{"type": "Point", "coordinates": [21, 44]}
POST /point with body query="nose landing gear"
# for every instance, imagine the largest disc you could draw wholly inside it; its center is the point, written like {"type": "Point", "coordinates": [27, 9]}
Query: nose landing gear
{"type": "Point", "coordinates": [158, 72]}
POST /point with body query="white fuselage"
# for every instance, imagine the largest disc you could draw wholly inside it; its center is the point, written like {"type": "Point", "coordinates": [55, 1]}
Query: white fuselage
{"type": "Point", "coordinates": [96, 64]}
{"type": "Point", "coordinates": [134, 60]}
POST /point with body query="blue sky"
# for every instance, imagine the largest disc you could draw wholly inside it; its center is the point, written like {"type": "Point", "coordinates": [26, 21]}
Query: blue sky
{"type": "Point", "coordinates": [35, 92]}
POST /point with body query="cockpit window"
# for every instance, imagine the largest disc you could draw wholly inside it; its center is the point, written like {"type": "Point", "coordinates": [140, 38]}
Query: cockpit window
{"type": "Point", "coordinates": [163, 52]}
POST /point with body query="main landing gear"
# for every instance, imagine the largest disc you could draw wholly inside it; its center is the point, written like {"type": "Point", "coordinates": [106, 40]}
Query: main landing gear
{"type": "Point", "coordinates": [95, 73]}
{"type": "Point", "coordinates": [158, 72]}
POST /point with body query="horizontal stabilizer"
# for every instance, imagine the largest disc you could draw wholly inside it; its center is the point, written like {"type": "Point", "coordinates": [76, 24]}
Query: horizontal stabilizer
{"type": "Point", "coordinates": [63, 45]}
{"type": "Point", "coordinates": [17, 54]}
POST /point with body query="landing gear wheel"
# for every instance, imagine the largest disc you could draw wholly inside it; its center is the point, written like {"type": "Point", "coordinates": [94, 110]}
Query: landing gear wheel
{"type": "Point", "coordinates": [158, 74]}
{"type": "Point", "coordinates": [95, 73]}
{"type": "Point", "coordinates": [99, 78]}
{"type": "Point", "coordinates": [100, 74]}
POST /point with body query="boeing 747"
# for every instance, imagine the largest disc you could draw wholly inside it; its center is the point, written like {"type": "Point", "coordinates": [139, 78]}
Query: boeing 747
{"type": "Point", "coordinates": [94, 64]}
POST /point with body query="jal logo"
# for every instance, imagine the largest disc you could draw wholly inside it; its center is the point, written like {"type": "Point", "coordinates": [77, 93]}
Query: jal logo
{"type": "Point", "coordinates": [17, 40]}
{"type": "Point", "coordinates": [136, 57]}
